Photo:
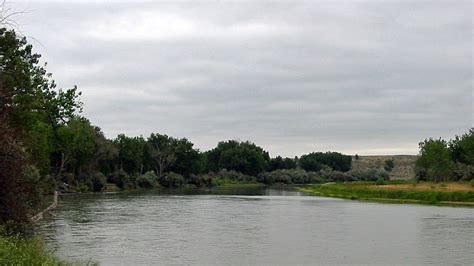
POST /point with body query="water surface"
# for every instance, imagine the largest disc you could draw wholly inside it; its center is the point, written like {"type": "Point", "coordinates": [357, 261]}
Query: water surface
{"type": "Point", "coordinates": [263, 227]}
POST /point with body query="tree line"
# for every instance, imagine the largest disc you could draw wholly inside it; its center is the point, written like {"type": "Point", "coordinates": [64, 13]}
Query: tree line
{"type": "Point", "coordinates": [45, 145]}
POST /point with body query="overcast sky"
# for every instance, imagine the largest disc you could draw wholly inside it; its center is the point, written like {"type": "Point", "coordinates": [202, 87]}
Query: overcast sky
{"type": "Point", "coordinates": [293, 77]}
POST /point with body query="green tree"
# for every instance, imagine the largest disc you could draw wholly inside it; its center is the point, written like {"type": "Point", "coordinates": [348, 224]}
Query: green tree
{"type": "Point", "coordinates": [75, 145]}
{"type": "Point", "coordinates": [188, 160]}
{"type": "Point", "coordinates": [161, 151]}
{"type": "Point", "coordinates": [31, 109]}
{"type": "Point", "coordinates": [131, 152]}
{"type": "Point", "coordinates": [434, 162]}
{"type": "Point", "coordinates": [280, 163]}
{"type": "Point", "coordinates": [462, 148]}
{"type": "Point", "coordinates": [315, 160]}
{"type": "Point", "coordinates": [244, 157]}
{"type": "Point", "coordinates": [104, 155]}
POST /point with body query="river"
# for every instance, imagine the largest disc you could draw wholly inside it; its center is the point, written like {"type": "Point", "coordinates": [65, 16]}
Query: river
{"type": "Point", "coordinates": [255, 227]}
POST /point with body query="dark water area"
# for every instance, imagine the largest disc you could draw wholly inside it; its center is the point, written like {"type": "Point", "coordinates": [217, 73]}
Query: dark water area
{"type": "Point", "coordinates": [255, 226]}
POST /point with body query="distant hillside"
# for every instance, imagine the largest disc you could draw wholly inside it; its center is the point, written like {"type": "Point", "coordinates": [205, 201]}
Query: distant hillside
{"type": "Point", "coordinates": [404, 164]}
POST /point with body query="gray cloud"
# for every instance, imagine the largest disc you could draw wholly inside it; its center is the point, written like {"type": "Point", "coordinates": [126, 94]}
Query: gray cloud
{"type": "Point", "coordinates": [357, 77]}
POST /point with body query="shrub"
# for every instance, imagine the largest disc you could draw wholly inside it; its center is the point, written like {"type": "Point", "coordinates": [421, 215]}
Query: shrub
{"type": "Point", "coordinates": [289, 176]}
{"type": "Point", "coordinates": [389, 165]}
{"type": "Point", "coordinates": [99, 182]}
{"type": "Point", "coordinates": [380, 182]}
{"type": "Point", "coordinates": [147, 180]}
{"type": "Point", "coordinates": [338, 176]}
{"type": "Point", "coordinates": [235, 176]}
{"type": "Point", "coordinates": [463, 172]}
{"type": "Point", "coordinates": [368, 175]}
{"type": "Point", "coordinates": [171, 180]}
{"type": "Point", "coordinates": [121, 179]}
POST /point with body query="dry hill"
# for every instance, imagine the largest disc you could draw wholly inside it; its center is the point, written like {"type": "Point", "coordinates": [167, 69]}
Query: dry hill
{"type": "Point", "coordinates": [404, 164]}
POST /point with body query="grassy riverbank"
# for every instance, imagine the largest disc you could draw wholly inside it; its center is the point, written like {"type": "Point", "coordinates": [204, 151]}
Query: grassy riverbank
{"type": "Point", "coordinates": [453, 194]}
{"type": "Point", "coordinates": [18, 251]}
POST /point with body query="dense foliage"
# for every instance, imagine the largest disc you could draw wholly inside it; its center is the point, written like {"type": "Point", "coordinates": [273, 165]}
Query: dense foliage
{"type": "Point", "coordinates": [315, 160]}
{"type": "Point", "coordinates": [244, 157]}
{"type": "Point", "coordinates": [440, 160]}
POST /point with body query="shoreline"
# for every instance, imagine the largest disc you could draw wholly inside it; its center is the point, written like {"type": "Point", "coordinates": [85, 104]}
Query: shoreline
{"type": "Point", "coordinates": [371, 193]}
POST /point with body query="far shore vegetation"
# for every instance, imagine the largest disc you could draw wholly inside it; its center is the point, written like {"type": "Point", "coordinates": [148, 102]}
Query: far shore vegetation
{"type": "Point", "coordinates": [46, 146]}
{"type": "Point", "coordinates": [442, 193]}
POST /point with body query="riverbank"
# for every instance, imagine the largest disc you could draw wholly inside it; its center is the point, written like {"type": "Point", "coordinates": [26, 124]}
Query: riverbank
{"type": "Point", "coordinates": [19, 251]}
{"type": "Point", "coordinates": [446, 194]}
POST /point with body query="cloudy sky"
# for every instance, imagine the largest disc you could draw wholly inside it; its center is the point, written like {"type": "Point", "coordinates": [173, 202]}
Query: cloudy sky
{"type": "Point", "coordinates": [293, 77]}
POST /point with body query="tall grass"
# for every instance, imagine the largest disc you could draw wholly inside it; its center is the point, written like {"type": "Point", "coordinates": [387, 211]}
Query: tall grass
{"type": "Point", "coordinates": [15, 250]}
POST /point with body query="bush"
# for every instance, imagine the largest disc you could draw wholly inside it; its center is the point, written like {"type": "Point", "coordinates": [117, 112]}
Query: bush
{"type": "Point", "coordinates": [368, 175]}
{"type": "Point", "coordinates": [338, 176]}
{"type": "Point", "coordinates": [289, 176]}
{"type": "Point", "coordinates": [463, 172]}
{"type": "Point", "coordinates": [380, 182]}
{"type": "Point", "coordinates": [121, 179]}
{"type": "Point", "coordinates": [171, 180]}
{"type": "Point", "coordinates": [99, 182]}
{"type": "Point", "coordinates": [235, 176]}
{"type": "Point", "coordinates": [147, 180]}
{"type": "Point", "coordinates": [389, 165]}
{"type": "Point", "coordinates": [84, 186]}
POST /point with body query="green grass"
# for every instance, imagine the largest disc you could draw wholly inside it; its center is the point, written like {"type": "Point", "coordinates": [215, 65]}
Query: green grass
{"type": "Point", "coordinates": [18, 251]}
{"type": "Point", "coordinates": [370, 191]}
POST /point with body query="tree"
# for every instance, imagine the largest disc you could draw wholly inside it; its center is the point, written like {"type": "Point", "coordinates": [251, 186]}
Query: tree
{"type": "Point", "coordinates": [31, 109]}
{"type": "Point", "coordinates": [188, 160]}
{"type": "Point", "coordinates": [462, 148]}
{"type": "Point", "coordinates": [104, 155]}
{"type": "Point", "coordinates": [244, 157]}
{"type": "Point", "coordinates": [160, 149]}
{"type": "Point", "coordinates": [434, 161]}
{"type": "Point", "coordinates": [131, 153]}
{"type": "Point", "coordinates": [29, 89]}
{"type": "Point", "coordinates": [315, 160]}
{"type": "Point", "coordinates": [75, 145]}
{"type": "Point", "coordinates": [280, 163]}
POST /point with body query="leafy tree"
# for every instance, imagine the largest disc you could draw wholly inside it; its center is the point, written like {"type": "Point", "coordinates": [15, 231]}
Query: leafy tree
{"type": "Point", "coordinates": [280, 163]}
{"type": "Point", "coordinates": [131, 152]}
{"type": "Point", "coordinates": [31, 109]}
{"type": "Point", "coordinates": [29, 89]}
{"type": "Point", "coordinates": [315, 160]}
{"type": "Point", "coordinates": [434, 162]}
{"type": "Point", "coordinates": [104, 155]}
{"type": "Point", "coordinates": [244, 157]}
{"type": "Point", "coordinates": [462, 148]}
{"type": "Point", "coordinates": [188, 160]}
{"type": "Point", "coordinates": [160, 150]}
{"type": "Point", "coordinates": [75, 145]}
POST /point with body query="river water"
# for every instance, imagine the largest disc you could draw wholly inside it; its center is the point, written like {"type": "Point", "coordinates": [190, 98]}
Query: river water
{"type": "Point", "coordinates": [255, 227]}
